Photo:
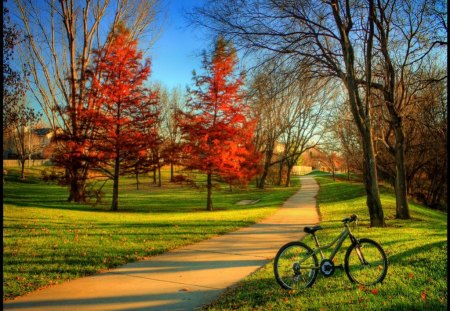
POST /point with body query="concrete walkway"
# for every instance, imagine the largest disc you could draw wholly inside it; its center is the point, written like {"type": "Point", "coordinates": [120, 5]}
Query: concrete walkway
{"type": "Point", "coordinates": [186, 278]}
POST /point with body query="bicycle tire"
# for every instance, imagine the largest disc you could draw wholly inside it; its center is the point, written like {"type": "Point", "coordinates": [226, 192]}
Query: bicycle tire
{"type": "Point", "coordinates": [370, 272]}
{"type": "Point", "coordinates": [289, 271]}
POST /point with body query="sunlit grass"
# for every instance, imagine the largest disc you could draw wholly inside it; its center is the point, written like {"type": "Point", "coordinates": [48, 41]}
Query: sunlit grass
{"type": "Point", "coordinates": [47, 240]}
{"type": "Point", "coordinates": [416, 249]}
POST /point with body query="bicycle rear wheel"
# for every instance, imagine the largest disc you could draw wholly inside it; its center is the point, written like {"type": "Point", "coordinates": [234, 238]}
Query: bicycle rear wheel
{"type": "Point", "coordinates": [295, 266]}
{"type": "Point", "coordinates": [366, 262]}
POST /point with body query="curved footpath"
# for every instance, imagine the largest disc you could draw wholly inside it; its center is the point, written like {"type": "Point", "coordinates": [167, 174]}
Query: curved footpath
{"type": "Point", "coordinates": [188, 277]}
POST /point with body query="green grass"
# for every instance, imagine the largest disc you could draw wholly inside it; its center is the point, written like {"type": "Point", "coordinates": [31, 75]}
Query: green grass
{"type": "Point", "coordinates": [47, 240]}
{"type": "Point", "coordinates": [416, 250]}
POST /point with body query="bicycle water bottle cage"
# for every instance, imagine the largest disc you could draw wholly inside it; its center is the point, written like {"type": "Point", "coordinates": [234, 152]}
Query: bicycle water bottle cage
{"type": "Point", "coordinates": [312, 229]}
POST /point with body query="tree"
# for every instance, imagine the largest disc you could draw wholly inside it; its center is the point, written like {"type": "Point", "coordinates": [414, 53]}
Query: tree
{"type": "Point", "coordinates": [414, 28]}
{"type": "Point", "coordinates": [18, 117]}
{"type": "Point", "coordinates": [266, 104]}
{"type": "Point", "coordinates": [216, 130]}
{"type": "Point", "coordinates": [329, 157]}
{"type": "Point", "coordinates": [121, 109]}
{"type": "Point", "coordinates": [20, 120]}
{"type": "Point", "coordinates": [329, 36]}
{"type": "Point", "coordinates": [425, 132]}
{"type": "Point", "coordinates": [171, 103]}
{"type": "Point", "coordinates": [60, 38]}
{"type": "Point", "coordinates": [344, 130]}
{"type": "Point", "coordinates": [306, 105]}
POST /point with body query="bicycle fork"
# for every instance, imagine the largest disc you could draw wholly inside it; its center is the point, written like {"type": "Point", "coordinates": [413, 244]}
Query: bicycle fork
{"type": "Point", "coordinates": [358, 249]}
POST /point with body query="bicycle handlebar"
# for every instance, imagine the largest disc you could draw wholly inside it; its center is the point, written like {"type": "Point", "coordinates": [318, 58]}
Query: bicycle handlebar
{"type": "Point", "coordinates": [350, 219]}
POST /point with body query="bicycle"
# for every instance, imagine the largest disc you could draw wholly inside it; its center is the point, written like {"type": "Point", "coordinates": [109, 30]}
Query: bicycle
{"type": "Point", "coordinates": [296, 265]}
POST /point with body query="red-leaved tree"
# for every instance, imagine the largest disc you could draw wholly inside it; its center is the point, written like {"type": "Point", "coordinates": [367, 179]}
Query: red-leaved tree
{"type": "Point", "coordinates": [216, 129]}
{"type": "Point", "coordinates": [122, 110]}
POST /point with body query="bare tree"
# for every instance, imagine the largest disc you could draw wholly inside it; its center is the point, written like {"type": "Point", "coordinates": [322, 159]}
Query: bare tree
{"type": "Point", "coordinates": [20, 120]}
{"type": "Point", "coordinates": [267, 106]}
{"type": "Point", "coordinates": [424, 128]}
{"type": "Point", "coordinates": [171, 101]}
{"type": "Point", "coordinates": [407, 33]}
{"type": "Point", "coordinates": [18, 116]}
{"type": "Point", "coordinates": [61, 36]}
{"type": "Point", "coordinates": [345, 132]}
{"type": "Point", "coordinates": [306, 109]}
{"type": "Point", "coordinates": [329, 36]}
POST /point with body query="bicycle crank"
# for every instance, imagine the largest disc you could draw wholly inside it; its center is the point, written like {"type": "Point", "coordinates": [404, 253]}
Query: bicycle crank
{"type": "Point", "coordinates": [327, 267]}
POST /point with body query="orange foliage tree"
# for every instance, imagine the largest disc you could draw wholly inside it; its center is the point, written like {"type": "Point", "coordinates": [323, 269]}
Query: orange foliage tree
{"type": "Point", "coordinates": [121, 109]}
{"type": "Point", "coordinates": [217, 130]}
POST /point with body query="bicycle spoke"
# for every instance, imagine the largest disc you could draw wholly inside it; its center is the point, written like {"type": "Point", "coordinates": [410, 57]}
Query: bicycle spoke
{"type": "Point", "coordinates": [366, 263]}
{"type": "Point", "coordinates": [295, 266]}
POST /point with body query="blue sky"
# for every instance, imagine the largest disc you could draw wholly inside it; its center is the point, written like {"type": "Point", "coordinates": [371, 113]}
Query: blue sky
{"type": "Point", "coordinates": [177, 51]}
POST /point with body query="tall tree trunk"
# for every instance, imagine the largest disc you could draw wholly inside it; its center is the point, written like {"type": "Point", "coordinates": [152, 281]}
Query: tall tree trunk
{"type": "Point", "coordinates": [171, 172]}
{"type": "Point", "coordinates": [159, 176]}
{"type": "Point", "coordinates": [268, 158]}
{"type": "Point", "coordinates": [77, 182]}
{"type": "Point", "coordinates": [137, 179]}
{"type": "Point", "coordinates": [361, 111]}
{"type": "Point", "coordinates": [371, 184]}
{"type": "Point", "coordinates": [280, 173]}
{"type": "Point", "coordinates": [115, 198]}
{"type": "Point", "coordinates": [288, 175]}
{"type": "Point", "coordinates": [22, 169]}
{"type": "Point", "coordinates": [209, 203]}
{"type": "Point", "coordinates": [401, 202]}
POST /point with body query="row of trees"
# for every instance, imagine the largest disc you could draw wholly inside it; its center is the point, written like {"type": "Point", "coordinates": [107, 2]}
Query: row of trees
{"type": "Point", "coordinates": [112, 122]}
{"type": "Point", "coordinates": [121, 124]}
{"type": "Point", "coordinates": [377, 50]}
{"type": "Point", "coordinates": [59, 40]}
{"type": "Point", "coordinates": [385, 55]}
{"type": "Point", "coordinates": [292, 112]}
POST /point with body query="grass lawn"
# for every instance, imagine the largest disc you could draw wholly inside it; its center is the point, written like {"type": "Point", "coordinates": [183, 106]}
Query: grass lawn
{"type": "Point", "coordinates": [416, 250]}
{"type": "Point", "coordinates": [47, 240]}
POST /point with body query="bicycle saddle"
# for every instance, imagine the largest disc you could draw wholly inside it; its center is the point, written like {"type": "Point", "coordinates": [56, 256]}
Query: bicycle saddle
{"type": "Point", "coordinates": [312, 229]}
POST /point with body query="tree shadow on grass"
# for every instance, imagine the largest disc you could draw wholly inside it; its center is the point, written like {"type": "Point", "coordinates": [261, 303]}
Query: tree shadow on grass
{"type": "Point", "coordinates": [405, 255]}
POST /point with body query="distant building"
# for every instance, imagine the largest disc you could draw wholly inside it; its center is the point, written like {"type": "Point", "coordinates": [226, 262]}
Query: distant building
{"type": "Point", "coordinates": [40, 142]}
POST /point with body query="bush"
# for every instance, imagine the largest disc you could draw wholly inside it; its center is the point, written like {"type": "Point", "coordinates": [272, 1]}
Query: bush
{"type": "Point", "coordinates": [51, 175]}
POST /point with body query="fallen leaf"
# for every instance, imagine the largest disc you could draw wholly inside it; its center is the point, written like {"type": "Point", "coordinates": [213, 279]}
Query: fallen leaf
{"type": "Point", "coordinates": [184, 289]}
{"type": "Point", "coordinates": [374, 291]}
{"type": "Point", "coordinates": [411, 275]}
{"type": "Point", "coordinates": [424, 295]}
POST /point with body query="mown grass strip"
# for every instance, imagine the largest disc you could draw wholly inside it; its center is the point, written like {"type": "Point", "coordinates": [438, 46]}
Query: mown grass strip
{"type": "Point", "coordinates": [416, 248]}
{"type": "Point", "coordinates": [47, 240]}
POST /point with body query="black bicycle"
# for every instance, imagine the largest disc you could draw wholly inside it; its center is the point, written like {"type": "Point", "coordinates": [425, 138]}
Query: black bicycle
{"type": "Point", "coordinates": [296, 265]}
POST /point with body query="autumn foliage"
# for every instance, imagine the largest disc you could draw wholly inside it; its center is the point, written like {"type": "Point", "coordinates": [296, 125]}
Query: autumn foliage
{"type": "Point", "coordinates": [216, 129]}
{"type": "Point", "coordinates": [121, 110]}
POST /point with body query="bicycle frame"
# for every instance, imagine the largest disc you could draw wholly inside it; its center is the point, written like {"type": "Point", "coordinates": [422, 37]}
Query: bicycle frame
{"type": "Point", "coordinates": [339, 240]}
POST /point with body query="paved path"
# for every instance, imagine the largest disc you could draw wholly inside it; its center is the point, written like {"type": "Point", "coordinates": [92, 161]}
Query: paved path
{"type": "Point", "coordinates": [186, 278]}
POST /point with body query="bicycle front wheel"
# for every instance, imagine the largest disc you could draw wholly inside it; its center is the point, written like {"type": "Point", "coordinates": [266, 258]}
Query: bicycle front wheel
{"type": "Point", "coordinates": [295, 266]}
{"type": "Point", "coordinates": [365, 262]}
